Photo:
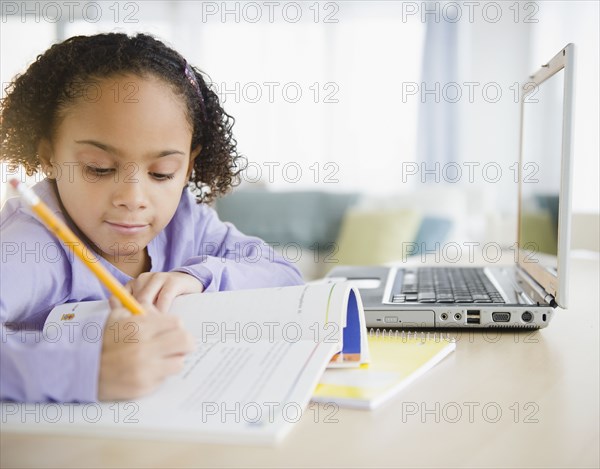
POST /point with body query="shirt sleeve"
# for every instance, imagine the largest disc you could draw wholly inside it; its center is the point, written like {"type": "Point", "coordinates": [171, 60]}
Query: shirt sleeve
{"type": "Point", "coordinates": [226, 259]}
{"type": "Point", "coordinates": [62, 365]}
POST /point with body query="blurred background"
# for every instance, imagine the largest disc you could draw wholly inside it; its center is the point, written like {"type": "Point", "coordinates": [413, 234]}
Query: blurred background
{"type": "Point", "coordinates": [372, 130]}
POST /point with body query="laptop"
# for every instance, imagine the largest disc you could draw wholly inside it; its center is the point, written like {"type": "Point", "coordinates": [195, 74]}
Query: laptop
{"type": "Point", "coordinates": [526, 294]}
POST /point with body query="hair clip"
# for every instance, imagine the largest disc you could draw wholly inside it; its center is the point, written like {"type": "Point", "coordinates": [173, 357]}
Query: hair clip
{"type": "Point", "coordinates": [189, 74]}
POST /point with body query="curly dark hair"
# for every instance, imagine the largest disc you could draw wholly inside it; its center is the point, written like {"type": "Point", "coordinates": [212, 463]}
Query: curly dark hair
{"type": "Point", "coordinates": [34, 101]}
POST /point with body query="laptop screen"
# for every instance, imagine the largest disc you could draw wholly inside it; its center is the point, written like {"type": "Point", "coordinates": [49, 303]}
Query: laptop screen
{"type": "Point", "coordinates": [541, 170]}
{"type": "Point", "coordinates": [545, 174]}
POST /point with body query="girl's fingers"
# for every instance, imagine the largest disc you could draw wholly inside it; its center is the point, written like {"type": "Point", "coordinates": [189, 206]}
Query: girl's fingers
{"type": "Point", "coordinates": [149, 290]}
{"type": "Point", "coordinates": [174, 342]}
{"type": "Point", "coordinates": [117, 308]}
{"type": "Point", "coordinates": [149, 308]}
{"type": "Point", "coordinates": [166, 296]}
{"type": "Point", "coordinates": [162, 288]}
{"type": "Point", "coordinates": [113, 302]}
{"type": "Point", "coordinates": [173, 365]}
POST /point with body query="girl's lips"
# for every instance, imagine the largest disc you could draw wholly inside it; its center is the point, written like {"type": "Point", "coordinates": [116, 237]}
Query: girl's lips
{"type": "Point", "coordinates": [127, 229]}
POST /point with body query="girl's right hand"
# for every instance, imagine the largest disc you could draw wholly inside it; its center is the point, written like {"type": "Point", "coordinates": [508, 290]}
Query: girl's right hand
{"type": "Point", "coordinates": [139, 352]}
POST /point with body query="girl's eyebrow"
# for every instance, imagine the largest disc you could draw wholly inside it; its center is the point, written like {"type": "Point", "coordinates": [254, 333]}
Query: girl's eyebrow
{"type": "Point", "coordinates": [114, 151]}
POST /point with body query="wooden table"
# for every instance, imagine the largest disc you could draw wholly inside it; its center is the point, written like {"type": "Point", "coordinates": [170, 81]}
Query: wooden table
{"type": "Point", "coordinates": [518, 399]}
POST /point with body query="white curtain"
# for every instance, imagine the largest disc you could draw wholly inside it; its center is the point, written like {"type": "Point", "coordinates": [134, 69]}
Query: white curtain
{"type": "Point", "coordinates": [440, 92]}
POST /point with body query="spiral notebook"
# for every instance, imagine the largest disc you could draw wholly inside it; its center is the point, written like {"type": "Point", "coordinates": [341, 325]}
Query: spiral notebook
{"type": "Point", "coordinates": [397, 359]}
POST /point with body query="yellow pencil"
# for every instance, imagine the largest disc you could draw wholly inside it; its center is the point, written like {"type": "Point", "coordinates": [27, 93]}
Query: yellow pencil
{"type": "Point", "coordinates": [64, 233]}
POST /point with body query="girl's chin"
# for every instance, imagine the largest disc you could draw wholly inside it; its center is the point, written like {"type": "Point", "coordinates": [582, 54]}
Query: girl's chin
{"type": "Point", "coordinates": [121, 247]}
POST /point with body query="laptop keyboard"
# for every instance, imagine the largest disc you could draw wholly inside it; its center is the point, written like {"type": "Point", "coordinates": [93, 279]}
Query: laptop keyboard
{"type": "Point", "coordinates": [445, 285]}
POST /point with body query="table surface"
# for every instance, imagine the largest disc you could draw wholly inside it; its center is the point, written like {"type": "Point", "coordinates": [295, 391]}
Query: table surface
{"type": "Point", "coordinates": [503, 399]}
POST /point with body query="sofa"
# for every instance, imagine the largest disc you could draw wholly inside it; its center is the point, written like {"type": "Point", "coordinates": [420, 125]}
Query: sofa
{"type": "Point", "coordinates": [318, 230]}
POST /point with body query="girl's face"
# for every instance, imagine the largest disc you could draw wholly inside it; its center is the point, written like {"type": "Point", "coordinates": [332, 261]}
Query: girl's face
{"type": "Point", "coordinates": [121, 161]}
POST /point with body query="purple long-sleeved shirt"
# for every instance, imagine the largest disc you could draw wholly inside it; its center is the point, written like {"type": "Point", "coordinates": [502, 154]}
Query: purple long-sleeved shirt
{"type": "Point", "coordinates": [38, 272]}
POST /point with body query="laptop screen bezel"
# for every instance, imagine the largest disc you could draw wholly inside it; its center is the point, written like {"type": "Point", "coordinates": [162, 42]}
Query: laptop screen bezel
{"type": "Point", "coordinates": [553, 284]}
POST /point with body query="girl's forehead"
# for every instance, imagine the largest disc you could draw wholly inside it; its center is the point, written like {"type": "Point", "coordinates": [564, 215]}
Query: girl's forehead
{"type": "Point", "coordinates": [129, 87]}
{"type": "Point", "coordinates": [127, 96]}
{"type": "Point", "coordinates": [128, 108]}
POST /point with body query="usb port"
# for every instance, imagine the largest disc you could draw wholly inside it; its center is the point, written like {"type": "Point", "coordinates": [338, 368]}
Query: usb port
{"type": "Point", "coordinates": [473, 316]}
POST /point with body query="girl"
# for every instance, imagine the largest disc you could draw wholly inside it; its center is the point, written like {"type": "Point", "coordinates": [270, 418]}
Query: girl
{"type": "Point", "coordinates": [120, 126]}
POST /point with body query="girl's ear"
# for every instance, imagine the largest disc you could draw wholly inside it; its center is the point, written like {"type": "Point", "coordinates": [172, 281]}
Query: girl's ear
{"type": "Point", "coordinates": [195, 152]}
{"type": "Point", "coordinates": [45, 155]}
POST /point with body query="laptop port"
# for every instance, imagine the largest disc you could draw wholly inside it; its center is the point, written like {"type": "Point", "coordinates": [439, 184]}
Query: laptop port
{"type": "Point", "coordinates": [458, 316]}
{"type": "Point", "coordinates": [527, 316]}
{"type": "Point", "coordinates": [500, 317]}
{"type": "Point", "coordinates": [443, 316]}
{"type": "Point", "coordinates": [473, 316]}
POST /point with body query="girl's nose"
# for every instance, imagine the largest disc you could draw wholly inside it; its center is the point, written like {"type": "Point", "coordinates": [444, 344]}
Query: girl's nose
{"type": "Point", "coordinates": [130, 194]}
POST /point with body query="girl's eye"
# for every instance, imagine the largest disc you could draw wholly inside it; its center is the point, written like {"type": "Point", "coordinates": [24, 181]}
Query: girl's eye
{"type": "Point", "coordinates": [162, 177]}
{"type": "Point", "coordinates": [98, 171]}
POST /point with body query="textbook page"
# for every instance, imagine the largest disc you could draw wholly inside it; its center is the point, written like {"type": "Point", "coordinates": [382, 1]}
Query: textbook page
{"type": "Point", "coordinates": [309, 312]}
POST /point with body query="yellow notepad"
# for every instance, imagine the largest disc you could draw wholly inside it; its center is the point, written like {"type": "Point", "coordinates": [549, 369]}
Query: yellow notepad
{"type": "Point", "coordinates": [397, 359]}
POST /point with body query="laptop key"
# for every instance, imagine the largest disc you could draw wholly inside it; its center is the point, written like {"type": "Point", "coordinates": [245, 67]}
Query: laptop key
{"type": "Point", "coordinates": [424, 295]}
{"type": "Point", "coordinates": [480, 297]}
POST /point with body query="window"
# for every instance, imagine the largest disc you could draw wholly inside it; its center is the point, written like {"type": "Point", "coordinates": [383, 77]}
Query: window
{"type": "Point", "coordinates": [315, 88]}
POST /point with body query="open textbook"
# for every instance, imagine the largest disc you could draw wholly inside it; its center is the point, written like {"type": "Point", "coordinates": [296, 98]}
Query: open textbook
{"type": "Point", "coordinates": [260, 354]}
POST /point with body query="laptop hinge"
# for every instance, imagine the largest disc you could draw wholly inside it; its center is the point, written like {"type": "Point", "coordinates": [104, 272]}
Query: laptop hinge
{"type": "Point", "coordinates": [533, 289]}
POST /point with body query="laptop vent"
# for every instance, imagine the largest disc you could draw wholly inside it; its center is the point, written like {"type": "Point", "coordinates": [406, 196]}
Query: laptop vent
{"type": "Point", "coordinates": [514, 326]}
